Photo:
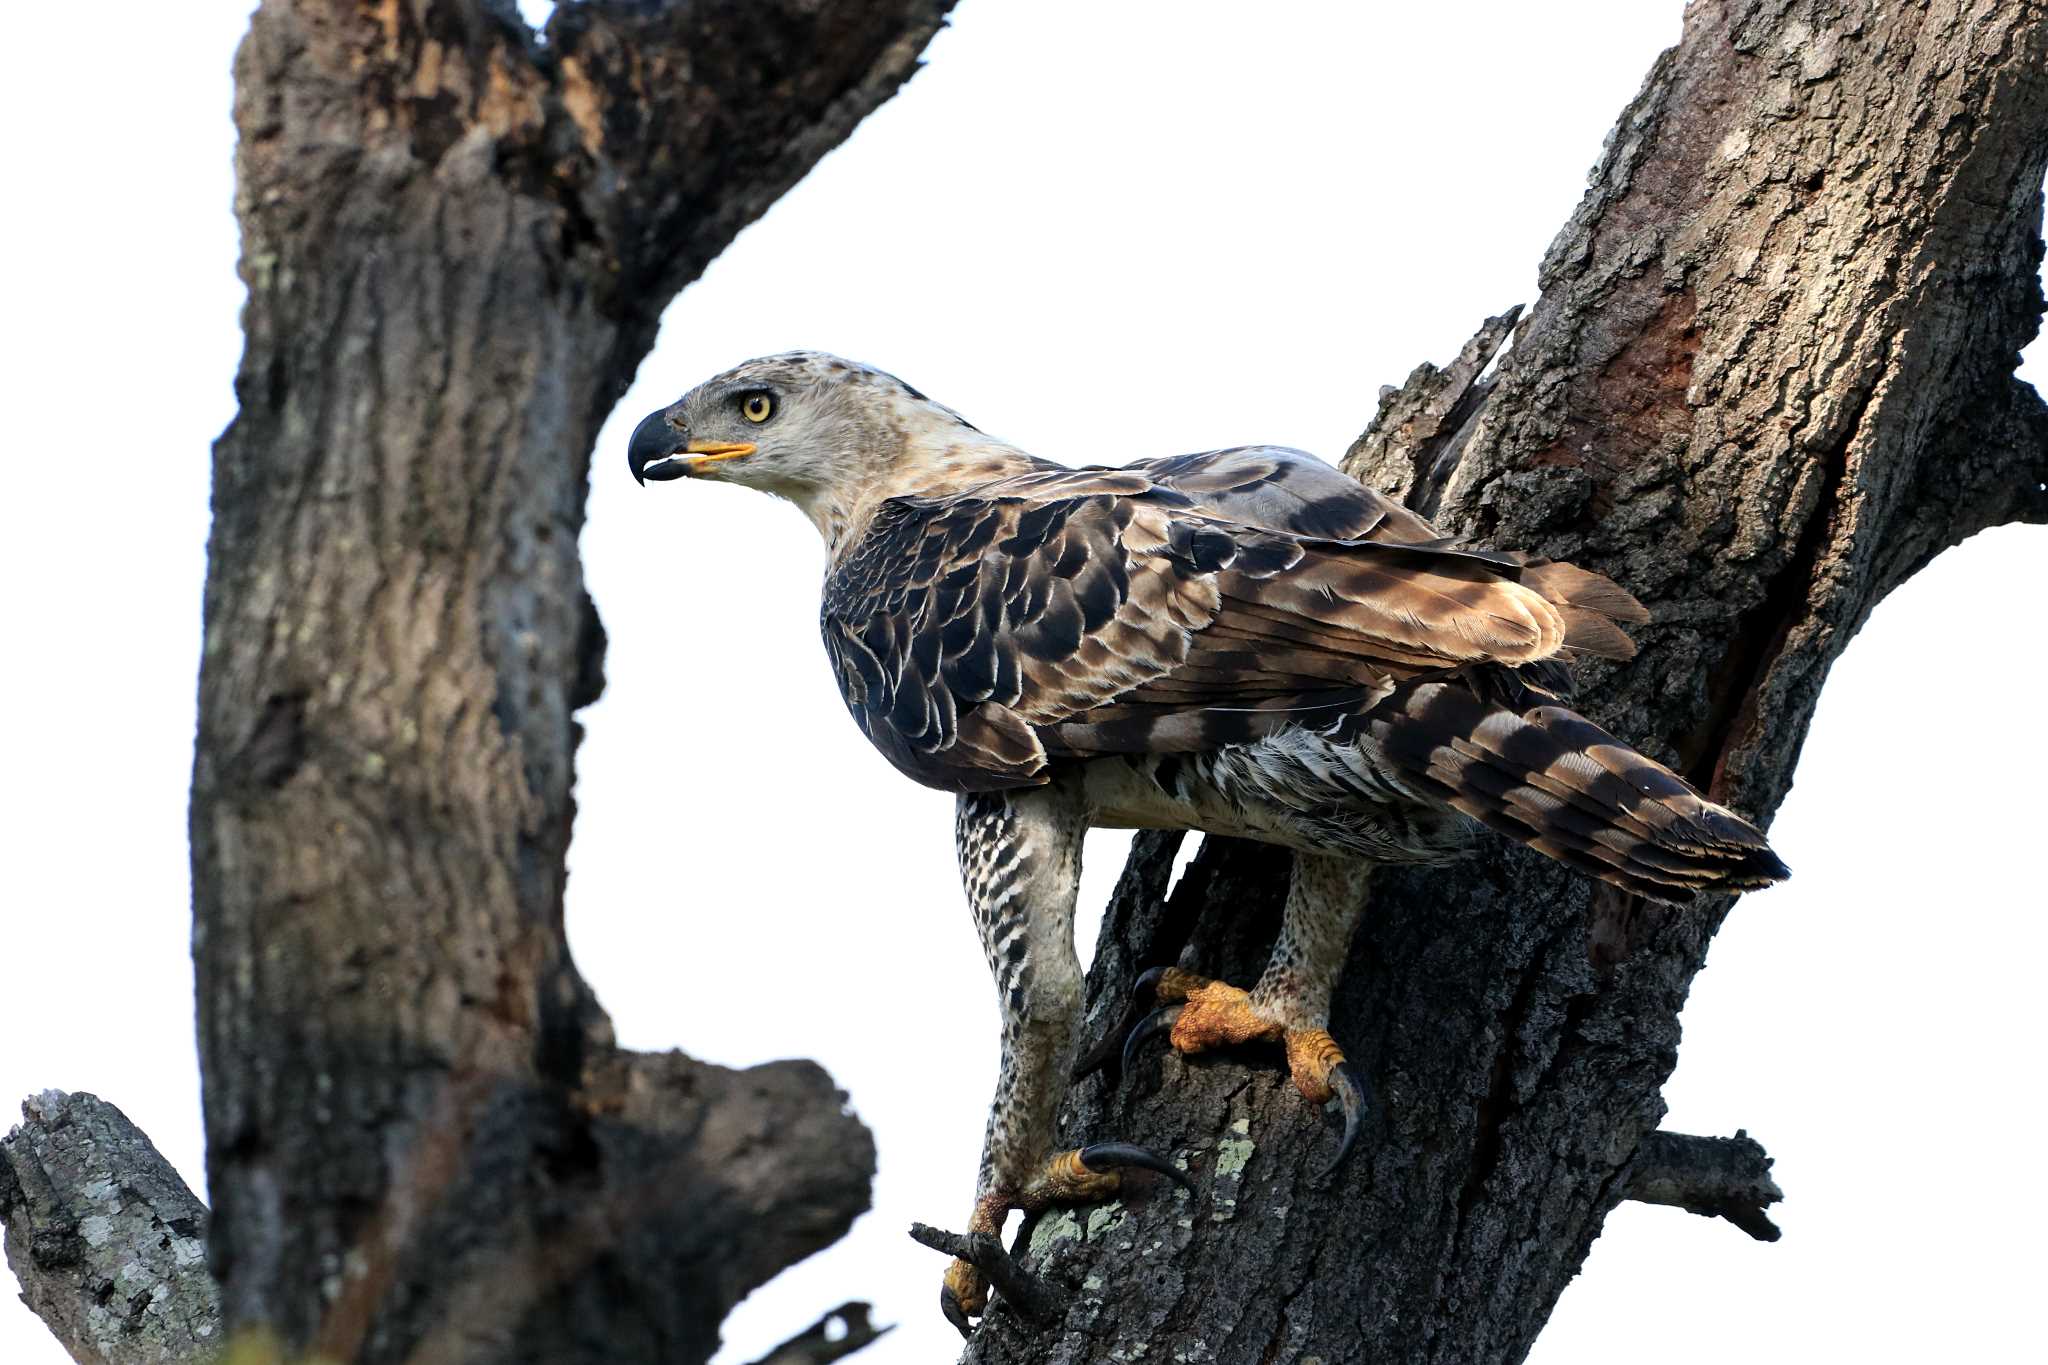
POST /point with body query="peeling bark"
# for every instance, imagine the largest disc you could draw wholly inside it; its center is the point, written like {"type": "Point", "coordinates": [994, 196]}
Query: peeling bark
{"type": "Point", "coordinates": [457, 241]}
{"type": "Point", "coordinates": [1769, 375]}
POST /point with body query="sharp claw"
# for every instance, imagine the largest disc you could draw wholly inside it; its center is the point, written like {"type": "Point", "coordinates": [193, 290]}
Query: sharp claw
{"type": "Point", "coordinates": [1355, 1097]}
{"type": "Point", "coordinates": [1105, 1048]}
{"type": "Point", "coordinates": [1144, 992]}
{"type": "Point", "coordinates": [1104, 1155]}
{"type": "Point", "coordinates": [949, 1304]}
{"type": "Point", "coordinates": [1151, 1026]}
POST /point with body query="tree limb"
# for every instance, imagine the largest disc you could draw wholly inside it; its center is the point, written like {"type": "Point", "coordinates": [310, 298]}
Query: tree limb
{"type": "Point", "coordinates": [2015, 459]}
{"type": "Point", "coordinates": [106, 1240]}
{"type": "Point", "coordinates": [1991, 469]}
{"type": "Point", "coordinates": [1715, 1177]}
{"type": "Point", "coordinates": [818, 1344]}
{"type": "Point", "coordinates": [1022, 1290]}
{"type": "Point", "coordinates": [1413, 441]}
{"type": "Point", "coordinates": [743, 94]}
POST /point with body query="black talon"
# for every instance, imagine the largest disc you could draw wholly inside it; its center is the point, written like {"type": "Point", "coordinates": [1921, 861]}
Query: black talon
{"type": "Point", "coordinates": [949, 1304]}
{"type": "Point", "coordinates": [1104, 1155]}
{"type": "Point", "coordinates": [1106, 1047]}
{"type": "Point", "coordinates": [1354, 1096]}
{"type": "Point", "coordinates": [1151, 1026]}
{"type": "Point", "coordinates": [1144, 993]}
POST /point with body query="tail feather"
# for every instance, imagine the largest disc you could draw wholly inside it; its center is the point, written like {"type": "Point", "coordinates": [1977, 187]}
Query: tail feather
{"type": "Point", "coordinates": [1549, 778]}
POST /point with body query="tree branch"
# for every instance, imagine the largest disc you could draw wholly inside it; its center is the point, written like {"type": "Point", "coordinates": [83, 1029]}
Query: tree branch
{"type": "Point", "coordinates": [2018, 454]}
{"type": "Point", "coordinates": [1991, 468]}
{"type": "Point", "coordinates": [818, 1344]}
{"type": "Point", "coordinates": [106, 1240]}
{"type": "Point", "coordinates": [1022, 1290]}
{"type": "Point", "coordinates": [1413, 441]}
{"type": "Point", "coordinates": [662, 94]}
{"type": "Point", "coordinates": [1715, 1177]}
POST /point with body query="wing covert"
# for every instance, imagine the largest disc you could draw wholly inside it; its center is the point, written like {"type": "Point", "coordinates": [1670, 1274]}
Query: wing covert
{"type": "Point", "coordinates": [1171, 606]}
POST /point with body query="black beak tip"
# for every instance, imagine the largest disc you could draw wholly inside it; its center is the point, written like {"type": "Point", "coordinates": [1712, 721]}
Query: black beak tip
{"type": "Point", "coordinates": [653, 440]}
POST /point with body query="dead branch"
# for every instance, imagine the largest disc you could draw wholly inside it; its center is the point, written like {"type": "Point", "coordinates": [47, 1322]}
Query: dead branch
{"type": "Point", "coordinates": [1715, 1177]}
{"type": "Point", "coordinates": [1022, 1290]}
{"type": "Point", "coordinates": [838, 1334]}
{"type": "Point", "coordinates": [107, 1242]}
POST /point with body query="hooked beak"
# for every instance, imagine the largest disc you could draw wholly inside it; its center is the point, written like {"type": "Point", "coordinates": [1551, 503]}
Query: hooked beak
{"type": "Point", "coordinates": [657, 450]}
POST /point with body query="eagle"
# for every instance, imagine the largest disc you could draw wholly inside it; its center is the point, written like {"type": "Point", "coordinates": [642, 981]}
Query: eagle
{"type": "Point", "coordinates": [1244, 642]}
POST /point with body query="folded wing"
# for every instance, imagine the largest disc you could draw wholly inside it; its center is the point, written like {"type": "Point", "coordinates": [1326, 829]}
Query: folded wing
{"type": "Point", "coordinates": [1172, 606]}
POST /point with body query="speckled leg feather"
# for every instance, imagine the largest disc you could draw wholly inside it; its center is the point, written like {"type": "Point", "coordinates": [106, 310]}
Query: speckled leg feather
{"type": "Point", "coordinates": [1020, 863]}
{"type": "Point", "coordinates": [1325, 899]}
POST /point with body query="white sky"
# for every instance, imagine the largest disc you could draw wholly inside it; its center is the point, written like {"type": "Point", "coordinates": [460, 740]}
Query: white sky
{"type": "Point", "coordinates": [1107, 231]}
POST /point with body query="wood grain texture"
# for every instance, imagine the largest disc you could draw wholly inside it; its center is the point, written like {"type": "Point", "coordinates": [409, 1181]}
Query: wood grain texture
{"type": "Point", "coordinates": [457, 240]}
{"type": "Point", "coordinates": [1769, 375]}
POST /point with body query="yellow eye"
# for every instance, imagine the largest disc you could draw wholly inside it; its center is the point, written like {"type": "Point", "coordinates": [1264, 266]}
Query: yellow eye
{"type": "Point", "coordinates": [758, 407]}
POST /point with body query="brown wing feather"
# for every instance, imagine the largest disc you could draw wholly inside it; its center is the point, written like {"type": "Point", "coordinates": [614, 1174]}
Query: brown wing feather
{"type": "Point", "coordinates": [1286, 490]}
{"type": "Point", "coordinates": [1172, 606]}
{"type": "Point", "coordinates": [961, 627]}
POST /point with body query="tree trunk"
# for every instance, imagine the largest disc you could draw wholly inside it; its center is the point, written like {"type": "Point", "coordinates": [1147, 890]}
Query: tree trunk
{"type": "Point", "coordinates": [1769, 376]}
{"type": "Point", "coordinates": [422, 1142]}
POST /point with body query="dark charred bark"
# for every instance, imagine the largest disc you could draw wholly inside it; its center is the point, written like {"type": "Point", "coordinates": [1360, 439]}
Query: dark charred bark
{"type": "Point", "coordinates": [457, 240]}
{"type": "Point", "coordinates": [1770, 375]}
{"type": "Point", "coordinates": [1714, 1177]}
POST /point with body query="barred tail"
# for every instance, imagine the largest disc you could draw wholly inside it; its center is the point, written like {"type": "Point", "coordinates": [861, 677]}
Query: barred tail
{"type": "Point", "coordinates": [1549, 778]}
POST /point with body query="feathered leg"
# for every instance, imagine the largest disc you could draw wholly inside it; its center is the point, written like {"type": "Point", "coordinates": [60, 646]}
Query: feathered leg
{"type": "Point", "coordinates": [1020, 862]}
{"type": "Point", "coordinates": [1291, 1002]}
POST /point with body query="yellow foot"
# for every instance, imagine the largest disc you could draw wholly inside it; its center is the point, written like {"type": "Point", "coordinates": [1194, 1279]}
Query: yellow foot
{"type": "Point", "coordinates": [1197, 1013]}
{"type": "Point", "coordinates": [1079, 1175]}
{"type": "Point", "coordinates": [964, 1293]}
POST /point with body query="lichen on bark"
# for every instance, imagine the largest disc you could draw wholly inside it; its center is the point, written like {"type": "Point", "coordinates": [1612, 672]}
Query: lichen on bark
{"type": "Point", "coordinates": [108, 1244]}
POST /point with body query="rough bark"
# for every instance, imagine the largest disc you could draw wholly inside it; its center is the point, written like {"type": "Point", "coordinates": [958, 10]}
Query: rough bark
{"type": "Point", "coordinates": [1769, 375]}
{"type": "Point", "coordinates": [1714, 1177]}
{"type": "Point", "coordinates": [107, 1242]}
{"type": "Point", "coordinates": [457, 240]}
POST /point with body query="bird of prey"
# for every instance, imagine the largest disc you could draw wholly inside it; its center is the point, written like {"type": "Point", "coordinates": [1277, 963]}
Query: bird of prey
{"type": "Point", "coordinates": [1244, 642]}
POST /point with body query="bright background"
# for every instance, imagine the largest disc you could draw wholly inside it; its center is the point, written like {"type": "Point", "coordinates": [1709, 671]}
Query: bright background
{"type": "Point", "coordinates": [1105, 231]}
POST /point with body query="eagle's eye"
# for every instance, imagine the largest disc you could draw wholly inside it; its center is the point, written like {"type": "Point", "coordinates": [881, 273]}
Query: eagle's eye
{"type": "Point", "coordinates": [757, 407]}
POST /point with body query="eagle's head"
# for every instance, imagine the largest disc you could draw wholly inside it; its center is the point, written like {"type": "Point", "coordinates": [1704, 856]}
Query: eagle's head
{"type": "Point", "coordinates": [805, 426]}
